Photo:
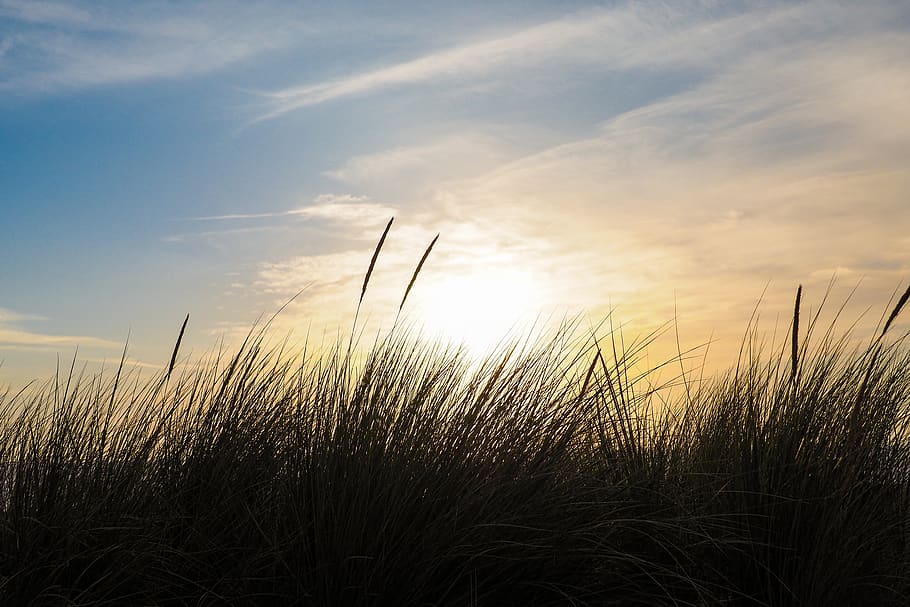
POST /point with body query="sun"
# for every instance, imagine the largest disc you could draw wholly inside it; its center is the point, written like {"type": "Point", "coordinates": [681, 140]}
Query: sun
{"type": "Point", "coordinates": [477, 309]}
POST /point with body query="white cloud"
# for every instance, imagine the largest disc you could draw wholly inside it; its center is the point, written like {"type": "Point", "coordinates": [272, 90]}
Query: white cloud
{"type": "Point", "coordinates": [787, 164]}
{"type": "Point", "coordinates": [9, 316]}
{"type": "Point", "coordinates": [424, 164]}
{"type": "Point", "coordinates": [358, 210]}
{"type": "Point", "coordinates": [11, 335]}
{"type": "Point", "coordinates": [528, 45]}
{"type": "Point", "coordinates": [45, 13]}
{"type": "Point", "coordinates": [784, 163]}
{"type": "Point", "coordinates": [215, 234]}
{"type": "Point", "coordinates": [635, 35]}
{"type": "Point", "coordinates": [64, 46]}
{"type": "Point", "coordinates": [288, 276]}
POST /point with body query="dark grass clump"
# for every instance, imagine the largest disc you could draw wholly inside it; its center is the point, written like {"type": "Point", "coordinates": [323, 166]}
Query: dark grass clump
{"type": "Point", "coordinates": [547, 474]}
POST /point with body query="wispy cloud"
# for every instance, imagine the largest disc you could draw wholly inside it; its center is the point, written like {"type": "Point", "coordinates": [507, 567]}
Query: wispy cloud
{"type": "Point", "coordinates": [215, 234]}
{"type": "Point", "coordinates": [528, 45]}
{"type": "Point", "coordinates": [347, 210]}
{"type": "Point", "coordinates": [45, 13]}
{"type": "Point", "coordinates": [469, 256]}
{"type": "Point", "coordinates": [786, 164]}
{"type": "Point", "coordinates": [782, 161]}
{"type": "Point", "coordinates": [357, 209]}
{"type": "Point", "coordinates": [9, 316]}
{"type": "Point", "coordinates": [640, 35]}
{"type": "Point", "coordinates": [13, 335]}
{"type": "Point", "coordinates": [764, 140]}
{"type": "Point", "coordinates": [335, 207]}
{"type": "Point", "coordinates": [424, 164]}
{"type": "Point", "coordinates": [53, 46]}
{"type": "Point", "coordinates": [129, 364]}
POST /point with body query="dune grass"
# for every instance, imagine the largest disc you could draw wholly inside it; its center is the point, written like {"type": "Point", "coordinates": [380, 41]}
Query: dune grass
{"type": "Point", "coordinates": [548, 473]}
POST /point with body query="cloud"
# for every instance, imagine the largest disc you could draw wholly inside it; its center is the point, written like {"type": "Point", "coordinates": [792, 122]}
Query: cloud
{"type": "Point", "coordinates": [327, 219]}
{"type": "Point", "coordinates": [51, 47]}
{"type": "Point", "coordinates": [785, 162]}
{"type": "Point", "coordinates": [129, 364]}
{"type": "Point", "coordinates": [333, 207]}
{"type": "Point", "coordinates": [12, 336]}
{"type": "Point", "coordinates": [45, 13]}
{"type": "Point", "coordinates": [352, 209]}
{"type": "Point", "coordinates": [214, 234]}
{"type": "Point", "coordinates": [643, 35]}
{"type": "Point", "coordinates": [424, 164]}
{"type": "Point", "coordinates": [467, 256]}
{"type": "Point", "coordinates": [288, 276]}
{"type": "Point", "coordinates": [476, 57]}
{"type": "Point", "coordinates": [9, 316]}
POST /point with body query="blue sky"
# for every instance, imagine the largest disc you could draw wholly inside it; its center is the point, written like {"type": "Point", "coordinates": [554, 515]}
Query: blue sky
{"type": "Point", "coordinates": [656, 158]}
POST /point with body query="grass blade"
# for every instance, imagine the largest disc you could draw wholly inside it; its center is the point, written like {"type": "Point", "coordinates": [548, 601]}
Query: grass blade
{"type": "Point", "coordinates": [897, 310]}
{"type": "Point", "coordinates": [366, 279]}
{"type": "Point", "coordinates": [794, 353]}
{"type": "Point", "coordinates": [170, 366]}
{"type": "Point", "coordinates": [416, 272]}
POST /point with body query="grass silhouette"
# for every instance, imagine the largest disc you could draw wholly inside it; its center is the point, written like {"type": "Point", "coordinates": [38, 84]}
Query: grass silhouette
{"type": "Point", "coordinates": [548, 474]}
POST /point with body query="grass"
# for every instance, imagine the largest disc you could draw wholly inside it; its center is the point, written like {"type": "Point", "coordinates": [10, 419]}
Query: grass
{"type": "Point", "coordinates": [547, 474]}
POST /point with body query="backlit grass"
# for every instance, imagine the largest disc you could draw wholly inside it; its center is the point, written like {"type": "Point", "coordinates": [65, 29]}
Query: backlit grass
{"type": "Point", "coordinates": [548, 473]}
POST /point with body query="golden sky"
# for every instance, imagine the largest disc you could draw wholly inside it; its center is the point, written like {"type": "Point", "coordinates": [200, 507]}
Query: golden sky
{"type": "Point", "coordinates": [659, 161]}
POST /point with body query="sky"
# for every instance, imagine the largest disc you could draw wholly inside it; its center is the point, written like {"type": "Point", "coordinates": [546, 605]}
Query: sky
{"type": "Point", "coordinates": [661, 162]}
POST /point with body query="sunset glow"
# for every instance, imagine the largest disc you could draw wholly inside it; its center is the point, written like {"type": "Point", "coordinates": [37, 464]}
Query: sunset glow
{"type": "Point", "coordinates": [475, 302]}
{"type": "Point", "coordinates": [478, 310]}
{"type": "Point", "coordinates": [663, 160]}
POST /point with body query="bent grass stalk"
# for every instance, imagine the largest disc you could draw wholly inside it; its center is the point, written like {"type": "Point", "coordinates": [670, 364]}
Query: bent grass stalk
{"type": "Point", "coordinates": [423, 258]}
{"type": "Point", "coordinates": [415, 477]}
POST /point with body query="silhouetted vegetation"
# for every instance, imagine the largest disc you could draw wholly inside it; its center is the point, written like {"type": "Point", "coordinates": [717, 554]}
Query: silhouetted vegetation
{"type": "Point", "coordinates": [550, 473]}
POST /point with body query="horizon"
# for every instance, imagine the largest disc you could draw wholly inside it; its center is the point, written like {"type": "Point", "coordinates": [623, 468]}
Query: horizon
{"type": "Point", "coordinates": [658, 163]}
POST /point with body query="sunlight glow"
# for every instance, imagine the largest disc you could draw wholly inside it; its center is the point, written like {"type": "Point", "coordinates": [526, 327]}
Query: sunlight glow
{"type": "Point", "coordinates": [479, 309]}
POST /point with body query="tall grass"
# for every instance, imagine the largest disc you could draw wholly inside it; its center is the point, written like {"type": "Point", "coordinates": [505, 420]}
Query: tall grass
{"type": "Point", "coordinates": [550, 473]}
